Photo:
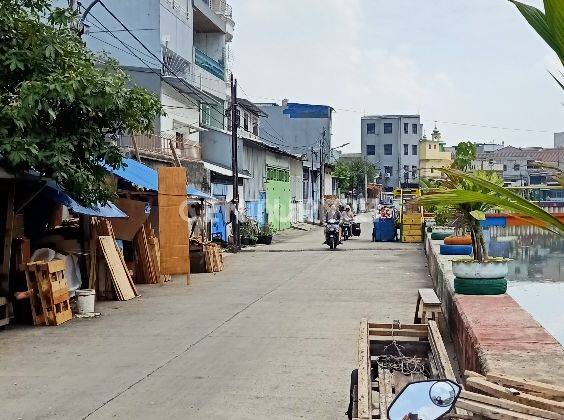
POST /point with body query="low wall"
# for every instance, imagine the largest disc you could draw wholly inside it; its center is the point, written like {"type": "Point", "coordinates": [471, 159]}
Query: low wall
{"type": "Point", "coordinates": [493, 333]}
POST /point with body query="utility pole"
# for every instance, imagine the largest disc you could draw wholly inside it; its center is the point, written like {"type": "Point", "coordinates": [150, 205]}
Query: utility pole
{"type": "Point", "coordinates": [234, 166]}
{"type": "Point", "coordinates": [312, 188]}
{"type": "Point", "coordinates": [321, 175]}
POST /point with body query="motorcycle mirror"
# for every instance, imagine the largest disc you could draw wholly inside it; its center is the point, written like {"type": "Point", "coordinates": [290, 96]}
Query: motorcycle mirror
{"type": "Point", "coordinates": [424, 400]}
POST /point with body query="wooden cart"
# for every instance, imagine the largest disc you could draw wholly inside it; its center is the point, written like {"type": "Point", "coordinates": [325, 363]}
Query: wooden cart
{"type": "Point", "coordinates": [389, 357]}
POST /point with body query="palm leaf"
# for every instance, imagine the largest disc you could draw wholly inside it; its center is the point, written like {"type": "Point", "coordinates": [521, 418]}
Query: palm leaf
{"type": "Point", "coordinates": [491, 194]}
{"type": "Point", "coordinates": [554, 15]}
{"type": "Point", "coordinates": [557, 81]}
{"type": "Point", "coordinates": [538, 20]}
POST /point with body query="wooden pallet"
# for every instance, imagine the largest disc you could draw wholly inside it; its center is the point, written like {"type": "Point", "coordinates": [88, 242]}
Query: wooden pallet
{"type": "Point", "coordinates": [48, 282]}
{"type": "Point", "coordinates": [4, 311]}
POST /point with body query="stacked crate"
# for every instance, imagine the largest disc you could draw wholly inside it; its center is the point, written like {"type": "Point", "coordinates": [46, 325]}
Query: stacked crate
{"type": "Point", "coordinates": [49, 292]}
{"type": "Point", "coordinates": [412, 228]}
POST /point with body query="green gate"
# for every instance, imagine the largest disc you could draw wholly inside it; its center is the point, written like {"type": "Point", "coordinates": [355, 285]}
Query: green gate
{"type": "Point", "coordinates": [278, 197]}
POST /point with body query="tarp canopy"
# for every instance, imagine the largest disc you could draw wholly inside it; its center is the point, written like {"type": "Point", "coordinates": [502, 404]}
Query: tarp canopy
{"type": "Point", "coordinates": [143, 177]}
{"type": "Point", "coordinates": [55, 193]}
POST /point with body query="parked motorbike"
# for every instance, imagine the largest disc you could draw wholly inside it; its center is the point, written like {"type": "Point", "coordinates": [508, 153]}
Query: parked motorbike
{"type": "Point", "coordinates": [346, 230]}
{"type": "Point", "coordinates": [332, 233]}
{"type": "Point", "coordinates": [425, 400]}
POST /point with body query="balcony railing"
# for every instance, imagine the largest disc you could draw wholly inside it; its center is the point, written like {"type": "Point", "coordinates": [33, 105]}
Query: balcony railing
{"type": "Point", "coordinates": [209, 64]}
{"type": "Point", "coordinates": [222, 8]}
{"type": "Point", "coordinates": [159, 147]}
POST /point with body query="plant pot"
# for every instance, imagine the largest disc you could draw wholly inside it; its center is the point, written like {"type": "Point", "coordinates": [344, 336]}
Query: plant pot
{"type": "Point", "coordinates": [245, 240]}
{"type": "Point", "coordinates": [253, 241]}
{"type": "Point", "coordinates": [265, 239]}
{"type": "Point", "coordinates": [480, 286]}
{"type": "Point", "coordinates": [456, 249]}
{"type": "Point", "coordinates": [458, 240]}
{"type": "Point", "coordinates": [471, 269]}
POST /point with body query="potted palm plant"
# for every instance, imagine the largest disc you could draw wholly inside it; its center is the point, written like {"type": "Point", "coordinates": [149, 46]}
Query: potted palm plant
{"type": "Point", "coordinates": [470, 196]}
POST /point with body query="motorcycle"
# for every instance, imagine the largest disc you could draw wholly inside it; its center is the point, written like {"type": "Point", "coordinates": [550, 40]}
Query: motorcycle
{"type": "Point", "coordinates": [332, 233]}
{"type": "Point", "coordinates": [346, 230]}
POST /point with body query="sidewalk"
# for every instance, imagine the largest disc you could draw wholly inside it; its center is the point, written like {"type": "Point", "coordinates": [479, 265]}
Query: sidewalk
{"type": "Point", "coordinates": [273, 336]}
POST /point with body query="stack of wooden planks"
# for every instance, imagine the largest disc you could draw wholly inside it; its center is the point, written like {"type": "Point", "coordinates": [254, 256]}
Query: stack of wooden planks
{"type": "Point", "coordinates": [109, 275]}
{"type": "Point", "coordinates": [49, 292]}
{"type": "Point", "coordinates": [146, 246]}
{"type": "Point", "coordinates": [205, 257]}
{"type": "Point", "coordinates": [500, 396]}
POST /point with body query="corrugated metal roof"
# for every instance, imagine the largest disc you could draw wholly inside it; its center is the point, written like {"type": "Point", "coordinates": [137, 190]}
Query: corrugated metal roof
{"type": "Point", "coordinates": [543, 155]}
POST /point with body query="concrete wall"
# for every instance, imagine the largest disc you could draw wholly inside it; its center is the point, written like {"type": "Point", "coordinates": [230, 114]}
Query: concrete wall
{"type": "Point", "coordinates": [213, 44]}
{"type": "Point", "coordinates": [179, 112]}
{"type": "Point", "coordinates": [216, 147]}
{"type": "Point", "coordinates": [397, 160]}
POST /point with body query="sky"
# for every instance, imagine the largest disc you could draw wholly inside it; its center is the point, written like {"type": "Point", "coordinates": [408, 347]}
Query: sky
{"type": "Point", "coordinates": [462, 63]}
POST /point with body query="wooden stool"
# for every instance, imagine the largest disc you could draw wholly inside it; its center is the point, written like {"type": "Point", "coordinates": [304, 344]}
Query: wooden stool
{"type": "Point", "coordinates": [431, 308]}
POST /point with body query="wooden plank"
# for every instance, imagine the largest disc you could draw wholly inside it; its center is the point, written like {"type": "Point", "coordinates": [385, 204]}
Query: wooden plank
{"type": "Point", "coordinates": [35, 301]}
{"type": "Point", "coordinates": [396, 333]}
{"type": "Point", "coordinates": [418, 327]}
{"type": "Point", "coordinates": [173, 224]}
{"type": "Point", "coordinates": [440, 353]}
{"type": "Point", "coordinates": [384, 391]}
{"type": "Point", "coordinates": [364, 373]}
{"type": "Point", "coordinates": [509, 405]}
{"type": "Point", "coordinates": [7, 234]}
{"type": "Point", "coordinates": [118, 272]}
{"type": "Point", "coordinates": [500, 391]}
{"type": "Point", "coordinates": [490, 411]}
{"type": "Point", "coordinates": [542, 389]}
{"type": "Point", "coordinates": [429, 297]}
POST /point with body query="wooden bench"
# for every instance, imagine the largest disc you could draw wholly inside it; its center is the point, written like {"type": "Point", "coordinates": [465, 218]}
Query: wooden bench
{"type": "Point", "coordinates": [429, 305]}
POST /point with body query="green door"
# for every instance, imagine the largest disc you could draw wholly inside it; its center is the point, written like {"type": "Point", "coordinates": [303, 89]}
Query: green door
{"type": "Point", "coordinates": [278, 196]}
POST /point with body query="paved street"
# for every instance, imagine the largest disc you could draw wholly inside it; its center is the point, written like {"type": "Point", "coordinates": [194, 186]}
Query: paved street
{"type": "Point", "coordinates": [273, 336]}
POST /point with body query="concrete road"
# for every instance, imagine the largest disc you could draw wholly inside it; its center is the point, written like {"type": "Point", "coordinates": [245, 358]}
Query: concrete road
{"type": "Point", "coordinates": [272, 336]}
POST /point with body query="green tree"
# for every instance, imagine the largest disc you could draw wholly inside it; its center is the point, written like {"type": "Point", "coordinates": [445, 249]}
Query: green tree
{"type": "Point", "coordinates": [465, 154]}
{"type": "Point", "coordinates": [351, 173]}
{"type": "Point", "coordinates": [60, 104]}
{"type": "Point", "coordinates": [548, 24]}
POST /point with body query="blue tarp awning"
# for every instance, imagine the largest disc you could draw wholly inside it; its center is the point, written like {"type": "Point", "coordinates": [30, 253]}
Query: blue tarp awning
{"type": "Point", "coordinates": [147, 178]}
{"type": "Point", "coordinates": [55, 193]}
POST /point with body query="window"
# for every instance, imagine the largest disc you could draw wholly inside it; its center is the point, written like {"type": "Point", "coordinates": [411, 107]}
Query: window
{"type": "Point", "coordinates": [414, 128]}
{"type": "Point", "coordinates": [406, 149]}
{"type": "Point", "coordinates": [435, 146]}
{"type": "Point", "coordinates": [505, 167]}
{"type": "Point", "coordinates": [414, 149]}
{"type": "Point", "coordinates": [388, 150]}
{"type": "Point", "coordinates": [414, 172]}
{"type": "Point", "coordinates": [388, 170]}
{"type": "Point", "coordinates": [246, 121]}
{"type": "Point", "coordinates": [429, 147]}
{"type": "Point", "coordinates": [371, 128]}
{"type": "Point", "coordinates": [406, 172]}
{"type": "Point", "coordinates": [179, 140]}
{"type": "Point", "coordinates": [370, 149]}
{"type": "Point", "coordinates": [516, 167]}
{"type": "Point", "coordinates": [405, 128]}
{"type": "Point", "coordinates": [387, 128]}
{"type": "Point", "coordinates": [255, 128]}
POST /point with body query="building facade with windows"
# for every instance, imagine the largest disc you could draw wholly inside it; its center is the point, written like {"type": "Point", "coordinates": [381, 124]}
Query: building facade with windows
{"type": "Point", "coordinates": [432, 156]}
{"type": "Point", "coordinates": [303, 129]}
{"type": "Point", "coordinates": [391, 143]}
{"type": "Point", "coordinates": [181, 58]}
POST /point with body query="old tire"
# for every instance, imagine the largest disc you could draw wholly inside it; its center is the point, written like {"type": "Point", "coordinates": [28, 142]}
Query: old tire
{"type": "Point", "coordinates": [458, 240]}
{"type": "Point", "coordinates": [480, 286]}
{"type": "Point", "coordinates": [456, 249]}
{"type": "Point", "coordinates": [439, 236]}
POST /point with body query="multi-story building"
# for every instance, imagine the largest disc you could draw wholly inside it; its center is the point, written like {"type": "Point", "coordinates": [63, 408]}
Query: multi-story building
{"type": "Point", "coordinates": [432, 156]}
{"type": "Point", "coordinates": [181, 59]}
{"type": "Point", "coordinates": [391, 143]}
{"type": "Point", "coordinates": [521, 166]}
{"type": "Point", "coordinates": [559, 140]}
{"type": "Point", "coordinates": [305, 130]}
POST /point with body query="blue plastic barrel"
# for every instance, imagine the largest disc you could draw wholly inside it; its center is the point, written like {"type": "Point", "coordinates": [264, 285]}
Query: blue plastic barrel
{"type": "Point", "coordinates": [384, 230]}
{"type": "Point", "coordinates": [456, 249]}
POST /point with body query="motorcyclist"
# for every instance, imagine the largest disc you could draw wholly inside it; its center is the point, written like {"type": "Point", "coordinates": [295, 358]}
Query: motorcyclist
{"type": "Point", "coordinates": [335, 214]}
